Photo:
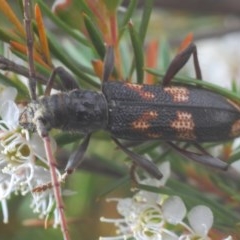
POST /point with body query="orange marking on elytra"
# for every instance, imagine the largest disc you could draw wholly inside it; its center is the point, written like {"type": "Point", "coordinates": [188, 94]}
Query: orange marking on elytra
{"type": "Point", "coordinates": [178, 94]}
{"type": "Point", "coordinates": [139, 89]}
{"type": "Point", "coordinates": [184, 125]}
{"type": "Point", "coordinates": [142, 123]}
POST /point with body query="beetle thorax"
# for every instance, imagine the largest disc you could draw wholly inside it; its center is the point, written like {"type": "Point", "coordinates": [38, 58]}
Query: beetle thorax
{"type": "Point", "coordinates": [81, 111]}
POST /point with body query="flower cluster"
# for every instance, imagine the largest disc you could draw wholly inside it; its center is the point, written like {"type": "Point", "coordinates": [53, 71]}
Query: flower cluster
{"type": "Point", "coordinates": [152, 216]}
{"type": "Point", "coordinates": [19, 173]}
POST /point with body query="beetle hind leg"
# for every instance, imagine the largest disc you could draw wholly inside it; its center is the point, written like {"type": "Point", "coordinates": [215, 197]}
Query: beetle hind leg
{"type": "Point", "coordinates": [203, 157]}
{"type": "Point", "coordinates": [140, 161]}
{"type": "Point", "coordinates": [180, 60]}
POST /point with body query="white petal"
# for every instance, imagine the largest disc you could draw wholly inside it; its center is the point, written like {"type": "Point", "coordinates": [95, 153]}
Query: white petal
{"type": "Point", "coordinates": [165, 169]}
{"type": "Point", "coordinates": [174, 210]}
{"type": "Point", "coordinates": [236, 165]}
{"type": "Point", "coordinates": [38, 146]}
{"type": "Point", "coordinates": [9, 113]}
{"type": "Point", "coordinates": [201, 219]}
{"type": "Point", "coordinates": [124, 206]}
{"type": "Point", "coordinates": [9, 93]}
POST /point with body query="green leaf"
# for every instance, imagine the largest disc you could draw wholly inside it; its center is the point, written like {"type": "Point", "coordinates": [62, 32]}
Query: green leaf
{"type": "Point", "coordinates": [138, 52]}
{"type": "Point", "coordinates": [63, 57]}
{"type": "Point", "coordinates": [7, 36]}
{"type": "Point", "coordinates": [74, 34]}
{"type": "Point", "coordinates": [127, 16]}
{"type": "Point", "coordinates": [95, 36]}
{"type": "Point", "coordinates": [147, 10]}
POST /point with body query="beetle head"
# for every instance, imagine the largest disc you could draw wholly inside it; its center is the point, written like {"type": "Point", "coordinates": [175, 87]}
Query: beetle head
{"type": "Point", "coordinates": [26, 119]}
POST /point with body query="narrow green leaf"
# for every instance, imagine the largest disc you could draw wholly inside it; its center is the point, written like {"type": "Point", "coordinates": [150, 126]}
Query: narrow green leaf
{"type": "Point", "coordinates": [127, 16]}
{"type": "Point", "coordinates": [95, 36]}
{"type": "Point", "coordinates": [76, 35]}
{"type": "Point", "coordinates": [63, 57]}
{"type": "Point", "coordinates": [81, 4]}
{"type": "Point", "coordinates": [7, 36]}
{"type": "Point", "coordinates": [138, 52]}
{"type": "Point", "coordinates": [147, 10]}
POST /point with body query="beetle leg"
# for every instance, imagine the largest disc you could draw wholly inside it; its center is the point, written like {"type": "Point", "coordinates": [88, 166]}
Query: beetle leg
{"type": "Point", "coordinates": [180, 60]}
{"type": "Point", "coordinates": [108, 63]}
{"type": "Point", "coordinates": [77, 157]}
{"type": "Point", "coordinates": [69, 83]}
{"type": "Point", "coordinates": [141, 161]}
{"type": "Point", "coordinates": [204, 158]}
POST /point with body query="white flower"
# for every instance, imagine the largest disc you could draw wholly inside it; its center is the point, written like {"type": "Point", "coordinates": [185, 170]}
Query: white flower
{"type": "Point", "coordinates": [18, 153]}
{"type": "Point", "coordinates": [152, 216]}
{"type": "Point", "coordinates": [142, 215]}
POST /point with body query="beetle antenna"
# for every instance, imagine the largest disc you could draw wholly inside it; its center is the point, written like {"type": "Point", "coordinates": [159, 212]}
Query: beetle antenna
{"type": "Point", "coordinates": [42, 131]}
{"type": "Point", "coordinates": [30, 43]}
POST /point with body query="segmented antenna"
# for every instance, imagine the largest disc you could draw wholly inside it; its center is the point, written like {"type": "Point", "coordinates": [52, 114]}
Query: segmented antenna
{"type": "Point", "coordinates": [41, 129]}
{"type": "Point", "coordinates": [30, 43]}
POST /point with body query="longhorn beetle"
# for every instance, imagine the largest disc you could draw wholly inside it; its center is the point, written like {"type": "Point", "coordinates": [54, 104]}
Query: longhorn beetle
{"type": "Point", "coordinates": [131, 112]}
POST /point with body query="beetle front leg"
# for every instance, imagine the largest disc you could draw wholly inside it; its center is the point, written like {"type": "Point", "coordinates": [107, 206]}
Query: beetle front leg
{"type": "Point", "coordinates": [180, 60]}
{"type": "Point", "coordinates": [77, 157]}
{"type": "Point", "coordinates": [141, 161]}
{"type": "Point", "coordinates": [69, 83]}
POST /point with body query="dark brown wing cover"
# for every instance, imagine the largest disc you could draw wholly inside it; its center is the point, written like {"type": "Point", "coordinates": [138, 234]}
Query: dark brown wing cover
{"type": "Point", "coordinates": [178, 112]}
